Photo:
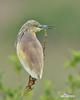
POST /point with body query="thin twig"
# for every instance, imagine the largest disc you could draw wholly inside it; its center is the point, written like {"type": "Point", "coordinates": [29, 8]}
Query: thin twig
{"type": "Point", "coordinates": [44, 42]}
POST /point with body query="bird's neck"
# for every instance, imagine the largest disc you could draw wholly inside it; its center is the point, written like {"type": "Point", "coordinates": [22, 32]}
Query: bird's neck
{"type": "Point", "coordinates": [32, 31]}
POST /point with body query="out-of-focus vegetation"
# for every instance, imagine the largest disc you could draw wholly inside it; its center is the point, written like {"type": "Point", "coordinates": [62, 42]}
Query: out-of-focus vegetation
{"type": "Point", "coordinates": [72, 89]}
{"type": "Point", "coordinates": [65, 14]}
{"type": "Point", "coordinates": [74, 60]}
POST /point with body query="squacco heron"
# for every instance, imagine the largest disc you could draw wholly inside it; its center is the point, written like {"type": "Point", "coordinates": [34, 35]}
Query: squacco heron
{"type": "Point", "coordinates": [30, 51]}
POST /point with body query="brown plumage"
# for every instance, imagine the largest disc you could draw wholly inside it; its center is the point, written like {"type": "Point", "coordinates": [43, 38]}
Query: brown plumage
{"type": "Point", "coordinates": [30, 51]}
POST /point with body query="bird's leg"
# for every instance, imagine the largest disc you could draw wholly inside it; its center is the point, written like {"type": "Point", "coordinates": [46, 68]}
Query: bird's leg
{"type": "Point", "coordinates": [31, 82]}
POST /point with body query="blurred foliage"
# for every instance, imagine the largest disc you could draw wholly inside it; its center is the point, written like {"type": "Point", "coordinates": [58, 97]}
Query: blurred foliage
{"type": "Point", "coordinates": [15, 62]}
{"type": "Point", "coordinates": [50, 93]}
{"type": "Point", "coordinates": [74, 60]}
{"type": "Point", "coordinates": [74, 80]}
{"type": "Point", "coordinates": [65, 14]}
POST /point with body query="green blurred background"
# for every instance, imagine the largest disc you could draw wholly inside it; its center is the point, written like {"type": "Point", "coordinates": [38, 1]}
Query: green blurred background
{"type": "Point", "coordinates": [65, 14]}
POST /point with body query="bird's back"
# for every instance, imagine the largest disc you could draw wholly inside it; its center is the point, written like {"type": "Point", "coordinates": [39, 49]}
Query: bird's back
{"type": "Point", "coordinates": [30, 53]}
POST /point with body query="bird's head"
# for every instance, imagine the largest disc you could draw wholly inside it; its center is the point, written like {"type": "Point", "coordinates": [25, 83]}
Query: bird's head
{"type": "Point", "coordinates": [34, 26]}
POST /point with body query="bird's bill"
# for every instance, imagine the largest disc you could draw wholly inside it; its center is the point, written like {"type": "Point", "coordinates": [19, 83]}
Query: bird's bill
{"type": "Point", "coordinates": [46, 27]}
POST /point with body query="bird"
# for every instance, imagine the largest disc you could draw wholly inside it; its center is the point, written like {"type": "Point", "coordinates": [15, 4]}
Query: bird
{"type": "Point", "coordinates": [30, 51]}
